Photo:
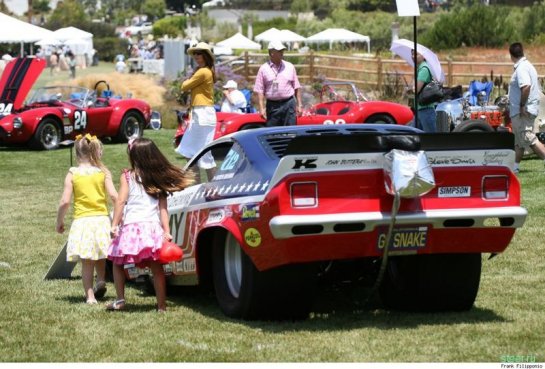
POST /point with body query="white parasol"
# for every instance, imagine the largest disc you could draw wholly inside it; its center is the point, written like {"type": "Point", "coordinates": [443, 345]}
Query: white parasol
{"type": "Point", "coordinates": [403, 48]}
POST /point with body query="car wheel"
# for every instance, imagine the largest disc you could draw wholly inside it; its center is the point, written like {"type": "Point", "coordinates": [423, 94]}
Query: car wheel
{"type": "Point", "coordinates": [473, 125]}
{"type": "Point", "coordinates": [244, 292]}
{"type": "Point", "coordinates": [441, 282]}
{"type": "Point", "coordinates": [47, 136]}
{"type": "Point", "coordinates": [132, 126]}
{"type": "Point", "coordinates": [380, 118]}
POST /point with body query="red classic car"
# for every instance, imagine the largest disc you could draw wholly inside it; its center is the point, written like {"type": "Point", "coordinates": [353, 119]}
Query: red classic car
{"type": "Point", "coordinates": [340, 103]}
{"type": "Point", "coordinates": [54, 114]}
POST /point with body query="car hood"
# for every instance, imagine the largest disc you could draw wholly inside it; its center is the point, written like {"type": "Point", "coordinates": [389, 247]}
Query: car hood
{"type": "Point", "coordinates": [17, 80]}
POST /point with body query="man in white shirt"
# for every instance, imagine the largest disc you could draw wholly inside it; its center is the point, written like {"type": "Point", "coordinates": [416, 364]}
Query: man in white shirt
{"type": "Point", "coordinates": [524, 104]}
{"type": "Point", "coordinates": [234, 100]}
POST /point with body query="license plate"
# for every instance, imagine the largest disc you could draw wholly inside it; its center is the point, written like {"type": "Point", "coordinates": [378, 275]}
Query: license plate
{"type": "Point", "coordinates": [404, 238]}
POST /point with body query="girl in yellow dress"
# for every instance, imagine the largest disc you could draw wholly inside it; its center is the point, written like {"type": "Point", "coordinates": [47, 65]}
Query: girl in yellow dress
{"type": "Point", "coordinates": [89, 237]}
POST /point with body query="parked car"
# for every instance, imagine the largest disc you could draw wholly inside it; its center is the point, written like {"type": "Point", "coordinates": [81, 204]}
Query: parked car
{"type": "Point", "coordinates": [288, 206]}
{"type": "Point", "coordinates": [213, 4]}
{"type": "Point", "coordinates": [340, 103]}
{"type": "Point", "coordinates": [58, 113]}
{"type": "Point", "coordinates": [143, 28]}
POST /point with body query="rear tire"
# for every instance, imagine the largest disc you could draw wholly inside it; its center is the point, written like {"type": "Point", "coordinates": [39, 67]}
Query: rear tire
{"type": "Point", "coordinates": [47, 136]}
{"type": "Point", "coordinates": [244, 292]}
{"type": "Point", "coordinates": [442, 123]}
{"type": "Point", "coordinates": [441, 282]}
{"type": "Point", "coordinates": [473, 125]}
{"type": "Point", "coordinates": [380, 118]}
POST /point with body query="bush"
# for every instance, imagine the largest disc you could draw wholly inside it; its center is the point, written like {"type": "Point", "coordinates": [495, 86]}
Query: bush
{"type": "Point", "coordinates": [108, 47]}
{"type": "Point", "coordinates": [171, 26]}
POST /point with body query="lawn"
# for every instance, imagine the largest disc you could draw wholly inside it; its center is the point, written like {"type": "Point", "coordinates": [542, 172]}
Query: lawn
{"type": "Point", "coordinates": [47, 321]}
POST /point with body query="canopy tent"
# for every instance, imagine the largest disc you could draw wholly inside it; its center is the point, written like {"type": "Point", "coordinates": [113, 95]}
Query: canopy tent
{"type": "Point", "coordinates": [332, 35]}
{"type": "Point", "coordinates": [285, 36]}
{"type": "Point", "coordinates": [267, 35]}
{"type": "Point", "coordinates": [14, 30]}
{"type": "Point", "coordinates": [239, 41]}
{"type": "Point", "coordinates": [80, 43]}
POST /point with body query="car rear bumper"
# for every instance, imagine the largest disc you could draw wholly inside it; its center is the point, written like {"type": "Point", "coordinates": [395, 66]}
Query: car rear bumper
{"type": "Point", "coordinates": [289, 226]}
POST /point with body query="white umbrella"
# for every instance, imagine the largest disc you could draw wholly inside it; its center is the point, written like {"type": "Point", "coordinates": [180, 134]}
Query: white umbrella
{"type": "Point", "coordinates": [403, 48]}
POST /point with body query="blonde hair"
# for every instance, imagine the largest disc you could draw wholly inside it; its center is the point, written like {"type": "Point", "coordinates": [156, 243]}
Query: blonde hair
{"type": "Point", "coordinates": [89, 148]}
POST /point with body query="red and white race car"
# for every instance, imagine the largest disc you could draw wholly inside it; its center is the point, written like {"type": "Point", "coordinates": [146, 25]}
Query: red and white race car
{"type": "Point", "coordinates": [290, 205]}
{"type": "Point", "coordinates": [340, 103]}
{"type": "Point", "coordinates": [54, 114]}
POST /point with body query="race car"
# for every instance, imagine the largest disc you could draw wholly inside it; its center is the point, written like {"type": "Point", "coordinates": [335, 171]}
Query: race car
{"type": "Point", "coordinates": [340, 103]}
{"type": "Point", "coordinates": [54, 114]}
{"type": "Point", "coordinates": [286, 206]}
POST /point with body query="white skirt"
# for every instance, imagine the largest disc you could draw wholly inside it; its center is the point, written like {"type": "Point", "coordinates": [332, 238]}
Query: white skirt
{"type": "Point", "coordinates": [200, 133]}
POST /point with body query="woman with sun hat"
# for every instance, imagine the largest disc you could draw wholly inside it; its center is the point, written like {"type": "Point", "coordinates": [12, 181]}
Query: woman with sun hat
{"type": "Point", "coordinates": [202, 113]}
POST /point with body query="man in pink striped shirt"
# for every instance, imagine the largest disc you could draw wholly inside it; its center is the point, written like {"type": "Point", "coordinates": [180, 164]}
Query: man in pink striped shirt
{"type": "Point", "coordinates": [278, 89]}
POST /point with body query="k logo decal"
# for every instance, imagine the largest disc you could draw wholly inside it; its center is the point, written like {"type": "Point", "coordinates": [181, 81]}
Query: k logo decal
{"type": "Point", "coordinates": [306, 164]}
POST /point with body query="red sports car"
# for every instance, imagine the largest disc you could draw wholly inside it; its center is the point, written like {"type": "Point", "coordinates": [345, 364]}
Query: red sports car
{"type": "Point", "coordinates": [54, 114]}
{"type": "Point", "coordinates": [340, 103]}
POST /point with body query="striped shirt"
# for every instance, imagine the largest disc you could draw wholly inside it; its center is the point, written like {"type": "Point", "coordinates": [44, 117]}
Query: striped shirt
{"type": "Point", "coordinates": [285, 78]}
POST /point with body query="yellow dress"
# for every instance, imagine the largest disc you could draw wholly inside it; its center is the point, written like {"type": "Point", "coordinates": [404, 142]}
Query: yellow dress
{"type": "Point", "coordinates": [89, 235]}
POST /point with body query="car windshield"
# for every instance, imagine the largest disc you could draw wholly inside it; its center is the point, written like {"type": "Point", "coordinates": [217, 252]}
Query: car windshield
{"type": "Point", "coordinates": [75, 95]}
{"type": "Point", "coordinates": [342, 92]}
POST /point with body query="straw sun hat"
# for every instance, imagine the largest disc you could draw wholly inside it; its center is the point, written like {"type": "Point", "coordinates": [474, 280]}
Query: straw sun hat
{"type": "Point", "coordinates": [201, 46]}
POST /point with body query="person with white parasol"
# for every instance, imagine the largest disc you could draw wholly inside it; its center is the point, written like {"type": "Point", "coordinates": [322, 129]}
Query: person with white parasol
{"type": "Point", "coordinates": [428, 68]}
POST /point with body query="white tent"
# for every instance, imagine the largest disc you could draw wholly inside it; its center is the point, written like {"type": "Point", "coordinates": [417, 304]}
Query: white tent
{"type": "Point", "coordinates": [268, 35]}
{"type": "Point", "coordinates": [14, 30]}
{"type": "Point", "coordinates": [332, 35]}
{"type": "Point", "coordinates": [239, 41]}
{"type": "Point", "coordinates": [79, 41]}
{"type": "Point", "coordinates": [289, 36]}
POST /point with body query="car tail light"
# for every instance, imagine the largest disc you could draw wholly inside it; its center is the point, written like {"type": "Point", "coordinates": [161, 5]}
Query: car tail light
{"type": "Point", "coordinates": [495, 187]}
{"type": "Point", "coordinates": [304, 194]}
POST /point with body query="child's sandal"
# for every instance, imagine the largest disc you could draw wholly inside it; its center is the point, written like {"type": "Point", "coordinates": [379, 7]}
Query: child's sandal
{"type": "Point", "coordinates": [116, 305]}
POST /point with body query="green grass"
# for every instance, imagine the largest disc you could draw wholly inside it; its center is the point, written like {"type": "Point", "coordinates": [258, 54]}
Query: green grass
{"type": "Point", "coordinates": [47, 321]}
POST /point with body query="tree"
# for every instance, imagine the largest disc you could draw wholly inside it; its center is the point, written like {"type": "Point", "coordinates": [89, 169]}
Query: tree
{"type": "Point", "coordinates": [154, 9]}
{"type": "Point", "coordinates": [67, 13]}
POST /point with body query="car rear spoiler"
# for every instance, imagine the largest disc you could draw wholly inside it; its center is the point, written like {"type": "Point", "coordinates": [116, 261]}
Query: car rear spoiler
{"type": "Point", "coordinates": [380, 142]}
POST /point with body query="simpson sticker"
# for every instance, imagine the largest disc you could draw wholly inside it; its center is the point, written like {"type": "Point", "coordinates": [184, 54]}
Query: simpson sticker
{"type": "Point", "coordinates": [454, 191]}
{"type": "Point", "coordinates": [249, 212]}
{"type": "Point", "coordinates": [252, 237]}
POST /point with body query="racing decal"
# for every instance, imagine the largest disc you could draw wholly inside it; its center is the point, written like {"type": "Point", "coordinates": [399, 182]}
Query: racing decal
{"type": "Point", "coordinates": [404, 239]}
{"type": "Point", "coordinates": [252, 237]}
{"type": "Point", "coordinates": [305, 163]}
{"type": "Point", "coordinates": [80, 120]}
{"type": "Point", "coordinates": [454, 191]}
{"type": "Point", "coordinates": [249, 212]}
{"type": "Point", "coordinates": [338, 121]}
{"type": "Point", "coordinates": [473, 158]}
{"type": "Point", "coordinates": [215, 216]}
{"type": "Point", "coordinates": [230, 161]}
{"type": "Point", "coordinates": [5, 108]}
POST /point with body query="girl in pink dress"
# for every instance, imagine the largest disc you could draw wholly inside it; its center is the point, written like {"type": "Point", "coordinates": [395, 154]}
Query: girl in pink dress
{"type": "Point", "coordinates": [140, 223]}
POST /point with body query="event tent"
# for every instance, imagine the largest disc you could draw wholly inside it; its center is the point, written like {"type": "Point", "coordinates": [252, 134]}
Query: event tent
{"type": "Point", "coordinates": [267, 35]}
{"type": "Point", "coordinates": [79, 41]}
{"type": "Point", "coordinates": [333, 35]}
{"type": "Point", "coordinates": [14, 30]}
{"type": "Point", "coordinates": [239, 41]}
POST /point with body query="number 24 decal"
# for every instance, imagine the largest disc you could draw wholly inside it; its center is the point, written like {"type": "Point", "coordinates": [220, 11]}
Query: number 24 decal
{"type": "Point", "coordinates": [5, 108]}
{"type": "Point", "coordinates": [80, 120]}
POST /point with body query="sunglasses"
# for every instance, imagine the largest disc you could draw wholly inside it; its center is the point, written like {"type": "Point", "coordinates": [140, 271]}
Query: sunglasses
{"type": "Point", "coordinates": [198, 53]}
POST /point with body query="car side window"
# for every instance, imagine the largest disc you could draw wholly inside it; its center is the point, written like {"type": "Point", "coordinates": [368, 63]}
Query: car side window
{"type": "Point", "coordinates": [228, 157]}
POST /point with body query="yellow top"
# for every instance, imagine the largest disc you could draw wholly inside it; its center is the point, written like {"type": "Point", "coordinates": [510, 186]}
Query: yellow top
{"type": "Point", "coordinates": [89, 192]}
{"type": "Point", "coordinates": [201, 85]}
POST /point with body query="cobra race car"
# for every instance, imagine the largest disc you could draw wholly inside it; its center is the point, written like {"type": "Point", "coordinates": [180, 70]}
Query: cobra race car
{"type": "Point", "coordinates": [54, 114]}
{"type": "Point", "coordinates": [287, 205]}
{"type": "Point", "coordinates": [340, 103]}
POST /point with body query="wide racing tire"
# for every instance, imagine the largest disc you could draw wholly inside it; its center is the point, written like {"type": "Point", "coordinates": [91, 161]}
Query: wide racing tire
{"type": "Point", "coordinates": [440, 282]}
{"type": "Point", "coordinates": [442, 122]}
{"type": "Point", "coordinates": [132, 126]}
{"type": "Point", "coordinates": [473, 125]}
{"type": "Point", "coordinates": [243, 292]}
{"type": "Point", "coordinates": [47, 136]}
